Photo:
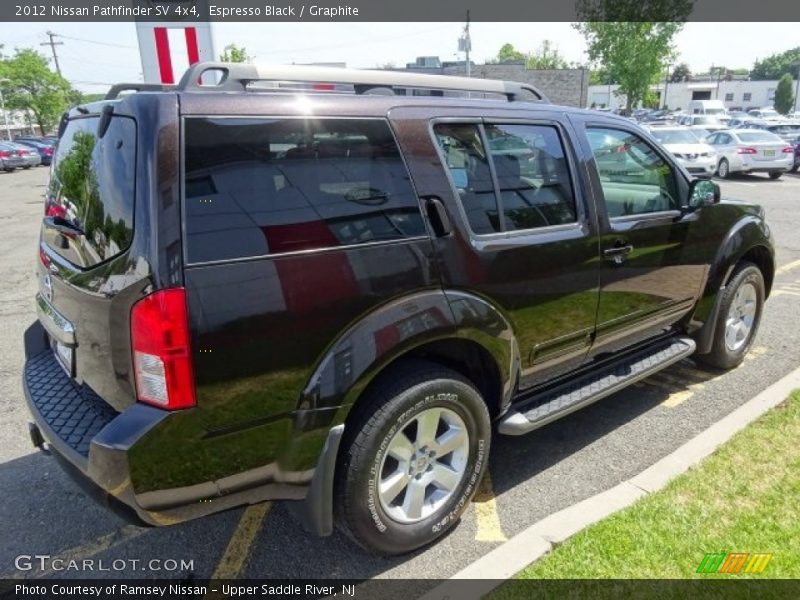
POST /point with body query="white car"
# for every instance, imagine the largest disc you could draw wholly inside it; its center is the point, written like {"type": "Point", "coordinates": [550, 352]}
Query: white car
{"type": "Point", "coordinates": [696, 156]}
{"type": "Point", "coordinates": [766, 113]}
{"type": "Point", "coordinates": [751, 151]}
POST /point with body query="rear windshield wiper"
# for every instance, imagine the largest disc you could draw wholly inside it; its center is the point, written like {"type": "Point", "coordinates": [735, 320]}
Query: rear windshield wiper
{"type": "Point", "coordinates": [63, 226]}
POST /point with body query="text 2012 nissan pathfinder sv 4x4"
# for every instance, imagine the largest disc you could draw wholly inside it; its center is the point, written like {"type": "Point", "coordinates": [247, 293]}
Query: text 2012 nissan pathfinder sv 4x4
{"type": "Point", "coordinates": [334, 287]}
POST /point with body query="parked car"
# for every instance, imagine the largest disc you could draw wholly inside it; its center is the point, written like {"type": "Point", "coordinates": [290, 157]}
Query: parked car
{"type": "Point", "coordinates": [707, 122]}
{"type": "Point", "coordinates": [696, 156]}
{"type": "Point", "coordinates": [746, 123]}
{"type": "Point", "coordinates": [10, 158]}
{"type": "Point", "coordinates": [751, 151]}
{"type": "Point", "coordinates": [413, 276]}
{"type": "Point", "coordinates": [44, 149]}
{"type": "Point", "coordinates": [29, 155]}
{"type": "Point", "coordinates": [707, 107]}
{"type": "Point", "coordinates": [764, 113]}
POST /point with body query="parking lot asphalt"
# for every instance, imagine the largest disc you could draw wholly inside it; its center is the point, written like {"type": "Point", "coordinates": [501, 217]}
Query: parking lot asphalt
{"type": "Point", "coordinates": [44, 513]}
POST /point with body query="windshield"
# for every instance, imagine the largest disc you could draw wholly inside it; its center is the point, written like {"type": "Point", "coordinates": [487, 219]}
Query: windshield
{"type": "Point", "coordinates": [758, 136]}
{"type": "Point", "coordinates": [674, 136]}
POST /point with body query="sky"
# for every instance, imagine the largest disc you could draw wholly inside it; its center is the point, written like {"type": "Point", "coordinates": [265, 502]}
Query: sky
{"type": "Point", "coordinates": [96, 55]}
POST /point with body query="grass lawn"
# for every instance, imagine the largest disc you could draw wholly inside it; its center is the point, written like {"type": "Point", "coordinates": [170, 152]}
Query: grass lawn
{"type": "Point", "coordinates": [743, 498]}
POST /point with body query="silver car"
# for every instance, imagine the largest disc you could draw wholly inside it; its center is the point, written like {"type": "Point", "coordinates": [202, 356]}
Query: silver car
{"type": "Point", "coordinates": [751, 151]}
{"type": "Point", "coordinates": [29, 155]}
{"type": "Point", "coordinates": [695, 155]}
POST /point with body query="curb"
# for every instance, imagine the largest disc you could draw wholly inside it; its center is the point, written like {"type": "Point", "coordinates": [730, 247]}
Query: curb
{"type": "Point", "coordinates": [538, 539]}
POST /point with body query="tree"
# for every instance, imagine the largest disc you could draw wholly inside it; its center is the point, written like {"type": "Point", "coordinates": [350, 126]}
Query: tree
{"type": "Point", "coordinates": [784, 94]}
{"type": "Point", "coordinates": [34, 88]}
{"type": "Point", "coordinates": [775, 65]}
{"type": "Point", "coordinates": [508, 53]}
{"type": "Point", "coordinates": [235, 54]}
{"type": "Point", "coordinates": [634, 49]}
{"type": "Point", "coordinates": [547, 57]}
{"type": "Point", "coordinates": [680, 73]}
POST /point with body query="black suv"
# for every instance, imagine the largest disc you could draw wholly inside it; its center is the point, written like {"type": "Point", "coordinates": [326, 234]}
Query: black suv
{"type": "Point", "coordinates": [335, 287]}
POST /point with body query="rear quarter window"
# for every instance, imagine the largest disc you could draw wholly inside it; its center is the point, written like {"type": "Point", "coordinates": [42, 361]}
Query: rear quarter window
{"type": "Point", "coordinates": [92, 188]}
{"type": "Point", "coordinates": [257, 187]}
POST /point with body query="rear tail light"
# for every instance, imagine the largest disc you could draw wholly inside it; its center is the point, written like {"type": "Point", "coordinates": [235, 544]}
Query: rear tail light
{"type": "Point", "coordinates": [162, 359]}
{"type": "Point", "coordinates": [747, 151]}
{"type": "Point", "coordinates": [5, 154]}
{"type": "Point", "coordinates": [788, 150]}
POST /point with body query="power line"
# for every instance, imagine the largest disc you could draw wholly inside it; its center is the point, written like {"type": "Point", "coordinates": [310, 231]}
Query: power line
{"type": "Point", "coordinates": [84, 40]}
{"type": "Point", "coordinates": [53, 45]}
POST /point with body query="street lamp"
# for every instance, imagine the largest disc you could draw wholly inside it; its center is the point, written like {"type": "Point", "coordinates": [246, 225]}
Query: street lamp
{"type": "Point", "coordinates": [3, 109]}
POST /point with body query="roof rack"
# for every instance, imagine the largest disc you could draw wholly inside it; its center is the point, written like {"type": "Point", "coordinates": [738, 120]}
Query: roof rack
{"type": "Point", "coordinates": [117, 89]}
{"type": "Point", "coordinates": [235, 77]}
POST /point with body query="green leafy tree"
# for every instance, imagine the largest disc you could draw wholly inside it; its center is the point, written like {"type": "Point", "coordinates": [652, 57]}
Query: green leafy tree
{"type": "Point", "coordinates": [680, 73]}
{"type": "Point", "coordinates": [235, 54]}
{"type": "Point", "coordinates": [602, 76]}
{"type": "Point", "coordinates": [547, 56]}
{"type": "Point", "coordinates": [508, 53]}
{"type": "Point", "coordinates": [633, 39]}
{"type": "Point", "coordinates": [32, 87]}
{"type": "Point", "coordinates": [784, 94]}
{"type": "Point", "coordinates": [774, 66]}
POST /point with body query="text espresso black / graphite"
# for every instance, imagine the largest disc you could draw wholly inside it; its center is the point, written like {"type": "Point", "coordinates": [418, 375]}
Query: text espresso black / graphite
{"type": "Point", "coordinates": [271, 10]}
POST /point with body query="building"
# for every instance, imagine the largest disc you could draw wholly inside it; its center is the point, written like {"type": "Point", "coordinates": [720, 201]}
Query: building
{"type": "Point", "coordinates": [737, 94]}
{"type": "Point", "coordinates": [568, 87]}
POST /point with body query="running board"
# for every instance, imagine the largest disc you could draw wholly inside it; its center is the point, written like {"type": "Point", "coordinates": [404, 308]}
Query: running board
{"type": "Point", "coordinates": [611, 377]}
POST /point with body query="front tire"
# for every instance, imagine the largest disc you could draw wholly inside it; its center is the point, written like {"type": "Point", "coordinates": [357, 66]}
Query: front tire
{"type": "Point", "coordinates": [775, 174]}
{"type": "Point", "coordinates": [413, 455]}
{"type": "Point", "coordinates": [738, 319]}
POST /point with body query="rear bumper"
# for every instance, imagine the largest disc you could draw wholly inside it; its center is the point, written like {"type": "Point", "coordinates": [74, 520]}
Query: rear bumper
{"type": "Point", "coordinates": [759, 166]}
{"type": "Point", "coordinates": [93, 442]}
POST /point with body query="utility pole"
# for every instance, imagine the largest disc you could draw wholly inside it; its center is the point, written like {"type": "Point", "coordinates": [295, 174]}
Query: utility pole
{"type": "Point", "coordinates": [53, 45]}
{"type": "Point", "coordinates": [666, 85]}
{"type": "Point", "coordinates": [465, 45]}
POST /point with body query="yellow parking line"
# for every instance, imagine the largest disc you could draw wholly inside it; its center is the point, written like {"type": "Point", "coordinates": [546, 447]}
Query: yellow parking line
{"type": "Point", "coordinates": [235, 557]}
{"type": "Point", "coordinates": [489, 528]}
{"type": "Point", "coordinates": [787, 267]}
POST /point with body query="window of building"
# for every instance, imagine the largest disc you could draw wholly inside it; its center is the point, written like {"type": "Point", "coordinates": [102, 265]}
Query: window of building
{"type": "Point", "coordinates": [729, 97]}
{"type": "Point", "coordinates": [746, 97]}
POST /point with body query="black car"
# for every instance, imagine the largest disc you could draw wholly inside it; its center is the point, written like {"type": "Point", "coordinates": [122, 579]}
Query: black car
{"type": "Point", "coordinates": [250, 292]}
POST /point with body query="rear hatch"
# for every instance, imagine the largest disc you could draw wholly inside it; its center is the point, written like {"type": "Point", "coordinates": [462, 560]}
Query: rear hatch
{"type": "Point", "coordinates": [84, 266]}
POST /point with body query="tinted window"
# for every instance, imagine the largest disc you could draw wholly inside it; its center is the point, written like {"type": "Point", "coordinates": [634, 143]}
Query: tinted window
{"type": "Point", "coordinates": [92, 188]}
{"type": "Point", "coordinates": [635, 179]}
{"type": "Point", "coordinates": [465, 157]}
{"type": "Point", "coordinates": [268, 186]}
{"type": "Point", "coordinates": [534, 188]}
{"type": "Point", "coordinates": [758, 136]}
{"type": "Point", "coordinates": [532, 175]}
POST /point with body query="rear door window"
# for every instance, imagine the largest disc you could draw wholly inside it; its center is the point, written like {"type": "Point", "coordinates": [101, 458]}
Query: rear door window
{"type": "Point", "coordinates": [257, 187]}
{"type": "Point", "coordinates": [90, 200]}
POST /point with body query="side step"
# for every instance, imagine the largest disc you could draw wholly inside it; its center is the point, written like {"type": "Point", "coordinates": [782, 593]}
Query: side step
{"type": "Point", "coordinates": [611, 377]}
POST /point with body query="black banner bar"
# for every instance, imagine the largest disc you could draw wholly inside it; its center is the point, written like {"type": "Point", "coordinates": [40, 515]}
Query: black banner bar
{"type": "Point", "coordinates": [534, 11]}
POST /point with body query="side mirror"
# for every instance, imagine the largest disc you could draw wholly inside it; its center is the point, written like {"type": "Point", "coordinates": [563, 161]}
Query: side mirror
{"type": "Point", "coordinates": [703, 192]}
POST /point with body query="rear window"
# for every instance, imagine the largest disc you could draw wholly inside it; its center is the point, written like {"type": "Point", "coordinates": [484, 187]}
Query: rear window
{"type": "Point", "coordinates": [257, 187]}
{"type": "Point", "coordinates": [92, 191]}
{"type": "Point", "coordinates": [758, 136]}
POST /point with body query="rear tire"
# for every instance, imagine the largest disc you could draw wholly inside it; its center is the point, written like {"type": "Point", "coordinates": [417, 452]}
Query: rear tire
{"type": "Point", "coordinates": [738, 319]}
{"type": "Point", "coordinates": [413, 455]}
{"type": "Point", "coordinates": [794, 169]}
{"type": "Point", "coordinates": [775, 174]}
{"type": "Point", "coordinates": [724, 169]}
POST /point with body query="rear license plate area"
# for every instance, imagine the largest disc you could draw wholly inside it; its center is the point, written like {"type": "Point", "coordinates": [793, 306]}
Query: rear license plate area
{"type": "Point", "coordinates": [65, 356]}
{"type": "Point", "coordinates": [769, 153]}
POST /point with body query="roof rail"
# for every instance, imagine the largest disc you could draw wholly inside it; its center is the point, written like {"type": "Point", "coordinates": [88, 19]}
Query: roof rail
{"type": "Point", "coordinates": [117, 89]}
{"type": "Point", "coordinates": [235, 77]}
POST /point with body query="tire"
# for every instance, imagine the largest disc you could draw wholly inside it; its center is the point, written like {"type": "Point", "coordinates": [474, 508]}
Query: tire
{"type": "Point", "coordinates": [724, 169]}
{"type": "Point", "coordinates": [775, 174]}
{"type": "Point", "coordinates": [748, 279]}
{"type": "Point", "coordinates": [794, 168]}
{"type": "Point", "coordinates": [414, 392]}
{"type": "Point", "coordinates": [26, 167]}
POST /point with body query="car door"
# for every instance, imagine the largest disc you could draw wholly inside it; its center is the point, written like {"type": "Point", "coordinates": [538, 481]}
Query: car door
{"type": "Point", "coordinates": [652, 268]}
{"type": "Point", "coordinates": [522, 236]}
{"type": "Point", "coordinates": [725, 146]}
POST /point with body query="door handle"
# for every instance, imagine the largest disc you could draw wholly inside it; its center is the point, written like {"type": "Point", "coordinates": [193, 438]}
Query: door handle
{"type": "Point", "coordinates": [437, 215]}
{"type": "Point", "coordinates": [618, 252]}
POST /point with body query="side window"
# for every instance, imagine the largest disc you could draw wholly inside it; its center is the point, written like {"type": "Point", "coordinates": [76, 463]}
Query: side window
{"type": "Point", "coordinates": [267, 186]}
{"type": "Point", "coordinates": [534, 188]}
{"type": "Point", "coordinates": [532, 175]}
{"type": "Point", "coordinates": [466, 160]}
{"type": "Point", "coordinates": [634, 178]}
